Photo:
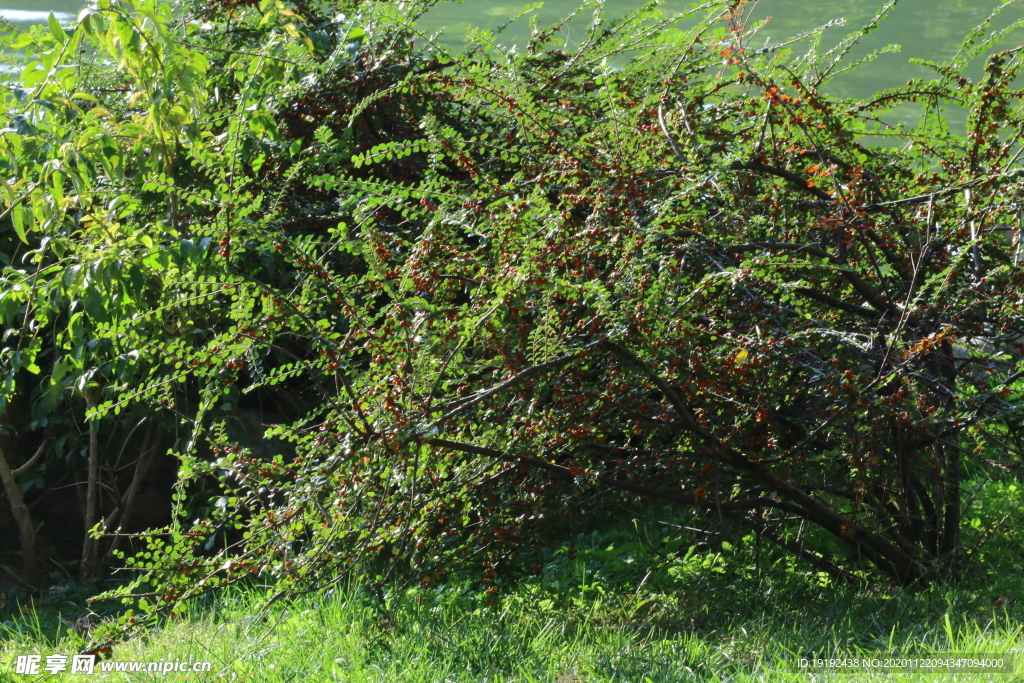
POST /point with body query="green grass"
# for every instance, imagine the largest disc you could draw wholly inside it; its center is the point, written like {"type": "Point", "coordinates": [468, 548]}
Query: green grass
{"type": "Point", "coordinates": [541, 631]}
{"type": "Point", "coordinates": [624, 605]}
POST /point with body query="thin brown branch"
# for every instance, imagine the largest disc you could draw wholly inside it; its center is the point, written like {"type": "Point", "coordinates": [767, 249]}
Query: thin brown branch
{"type": "Point", "coordinates": [620, 484]}
{"type": "Point", "coordinates": [817, 561]}
{"type": "Point", "coordinates": [833, 302]}
{"type": "Point", "coordinates": [798, 181]}
{"type": "Point", "coordinates": [513, 381]}
{"type": "Point", "coordinates": [35, 457]}
{"type": "Point", "coordinates": [89, 544]}
{"type": "Point", "coordinates": [812, 249]}
{"type": "Point", "coordinates": [122, 514]}
{"type": "Point", "coordinates": [18, 578]}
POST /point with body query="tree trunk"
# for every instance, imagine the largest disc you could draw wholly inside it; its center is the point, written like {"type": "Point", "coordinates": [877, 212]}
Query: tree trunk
{"type": "Point", "coordinates": [122, 515]}
{"type": "Point", "coordinates": [29, 565]}
{"type": "Point", "coordinates": [950, 550]}
{"type": "Point", "coordinates": [90, 546]}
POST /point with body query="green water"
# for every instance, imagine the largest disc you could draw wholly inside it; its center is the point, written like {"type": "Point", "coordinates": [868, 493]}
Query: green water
{"type": "Point", "coordinates": [928, 29]}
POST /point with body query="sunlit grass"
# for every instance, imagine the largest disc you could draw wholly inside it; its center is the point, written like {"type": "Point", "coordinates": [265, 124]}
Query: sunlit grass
{"type": "Point", "coordinates": [619, 605]}
{"type": "Point", "coordinates": [531, 635]}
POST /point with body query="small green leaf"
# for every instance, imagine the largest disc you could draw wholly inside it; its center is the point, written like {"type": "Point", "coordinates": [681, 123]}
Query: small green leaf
{"type": "Point", "coordinates": [56, 30]}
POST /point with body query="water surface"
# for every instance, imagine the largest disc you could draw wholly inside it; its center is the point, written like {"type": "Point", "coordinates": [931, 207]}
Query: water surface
{"type": "Point", "coordinates": [927, 29]}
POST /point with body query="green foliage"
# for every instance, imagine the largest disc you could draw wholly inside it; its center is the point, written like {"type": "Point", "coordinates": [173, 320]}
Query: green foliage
{"type": "Point", "coordinates": [499, 290]}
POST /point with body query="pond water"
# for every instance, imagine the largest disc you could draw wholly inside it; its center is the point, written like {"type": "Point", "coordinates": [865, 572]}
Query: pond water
{"type": "Point", "coordinates": [925, 29]}
{"type": "Point", "coordinates": [928, 29]}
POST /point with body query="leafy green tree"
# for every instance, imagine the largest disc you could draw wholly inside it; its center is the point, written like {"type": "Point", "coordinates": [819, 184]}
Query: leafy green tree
{"type": "Point", "coordinates": [116, 238]}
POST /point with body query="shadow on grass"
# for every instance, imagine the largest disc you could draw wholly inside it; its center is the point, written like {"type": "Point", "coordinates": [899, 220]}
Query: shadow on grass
{"type": "Point", "coordinates": [723, 627]}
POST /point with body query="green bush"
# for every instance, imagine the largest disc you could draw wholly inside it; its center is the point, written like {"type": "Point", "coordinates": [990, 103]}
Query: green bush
{"type": "Point", "coordinates": [500, 289]}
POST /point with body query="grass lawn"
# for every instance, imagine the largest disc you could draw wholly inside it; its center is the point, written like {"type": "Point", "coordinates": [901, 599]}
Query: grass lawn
{"type": "Point", "coordinates": [718, 627]}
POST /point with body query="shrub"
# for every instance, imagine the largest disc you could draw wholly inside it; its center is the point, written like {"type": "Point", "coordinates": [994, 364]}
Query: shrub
{"type": "Point", "coordinates": [512, 286]}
